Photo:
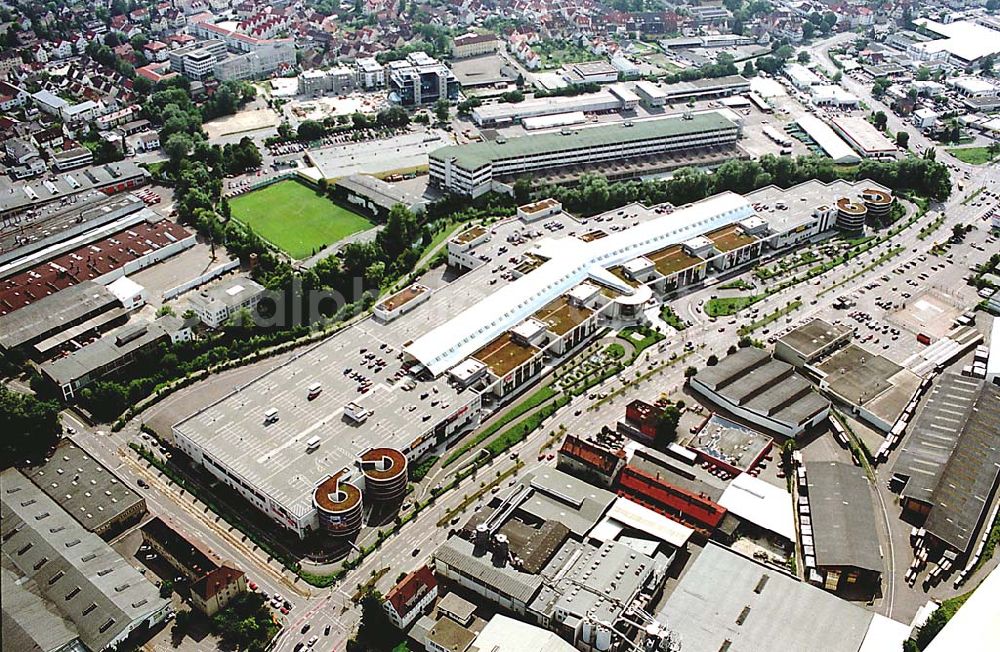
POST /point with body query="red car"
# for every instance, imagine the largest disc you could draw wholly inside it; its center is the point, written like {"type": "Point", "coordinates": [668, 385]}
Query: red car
{"type": "Point", "coordinates": [284, 611]}
{"type": "Point", "coordinates": [253, 586]}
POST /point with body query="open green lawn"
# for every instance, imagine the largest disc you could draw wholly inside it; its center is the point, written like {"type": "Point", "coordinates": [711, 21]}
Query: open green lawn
{"type": "Point", "coordinates": [724, 306]}
{"type": "Point", "coordinates": [971, 155]}
{"type": "Point", "coordinates": [292, 217]}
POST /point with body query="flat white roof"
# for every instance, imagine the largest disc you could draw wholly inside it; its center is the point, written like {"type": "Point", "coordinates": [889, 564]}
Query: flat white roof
{"type": "Point", "coordinates": [626, 513]}
{"type": "Point", "coordinates": [573, 262]}
{"type": "Point", "coordinates": [650, 89]}
{"type": "Point", "coordinates": [976, 625]}
{"type": "Point", "coordinates": [125, 288]}
{"type": "Point", "coordinates": [961, 38]}
{"type": "Point", "coordinates": [555, 120]}
{"type": "Point", "coordinates": [834, 92]}
{"type": "Point", "coordinates": [503, 634]}
{"type": "Point", "coordinates": [624, 93]}
{"type": "Point", "coordinates": [584, 292]}
{"type": "Point", "coordinates": [863, 134]}
{"type": "Point", "coordinates": [993, 362]}
{"type": "Point", "coordinates": [828, 140]}
{"type": "Point", "coordinates": [885, 634]}
{"type": "Point", "coordinates": [973, 84]}
{"type": "Point", "coordinates": [801, 75]}
{"type": "Point", "coordinates": [761, 503]}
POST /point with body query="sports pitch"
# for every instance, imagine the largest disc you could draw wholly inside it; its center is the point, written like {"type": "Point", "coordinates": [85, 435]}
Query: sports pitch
{"type": "Point", "coordinates": [292, 217]}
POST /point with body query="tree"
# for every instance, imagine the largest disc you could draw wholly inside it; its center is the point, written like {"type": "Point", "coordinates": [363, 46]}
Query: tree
{"type": "Point", "coordinates": [522, 190]}
{"type": "Point", "coordinates": [30, 427]}
{"type": "Point", "coordinates": [442, 110]}
{"type": "Point", "coordinates": [181, 623]}
{"type": "Point", "coordinates": [690, 372]}
{"type": "Point", "coordinates": [808, 31]}
{"type": "Point", "coordinates": [245, 623]}
{"type": "Point", "coordinates": [310, 130]}
{"type": "Point", "coordinates": [880, 120]}
{"type": "Point", "coordinates": [923, 73]}
{"type": "Point", "coordinates": [106, 400]}
{"type": "Point", "coordinates": [394, 116]}
{"type": "Point", "coordinates": [177, 147]}
{"type": "Point", "coordinates": [513, 97]}
{"type": "Point", "coordinates": [837, 76]}
{"type": "Point", "coordinates": [880, 86]}
{"type": "Point", "coordinates": [986, 65]}
{"type": "Point", "coordinates": [666, 426]}
{"type": "Point", "coordinates": [750, 71]}
{"type": "Point", "coordinates": [375, 631]}
{"type": "Point", "coordinates": [803, 57]}
{"type": "Point", "coordinates": [992, 5]}
{"type": "Point", "coordinates": [166, 588]}
{"type": "Point", "coordinates": [902, 139]}
{"type": "Point", "coordinates": [712, 360]}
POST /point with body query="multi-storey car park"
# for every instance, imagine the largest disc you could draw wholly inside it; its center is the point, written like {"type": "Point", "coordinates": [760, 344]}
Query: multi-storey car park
{"type": "Point", "coordinates": [474, 169]}
{"type": "Point", "coordinates": [316, 440]}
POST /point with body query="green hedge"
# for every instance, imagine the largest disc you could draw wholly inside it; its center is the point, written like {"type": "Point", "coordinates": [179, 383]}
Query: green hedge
{"type": "Point", "coordinates": [527, 404]}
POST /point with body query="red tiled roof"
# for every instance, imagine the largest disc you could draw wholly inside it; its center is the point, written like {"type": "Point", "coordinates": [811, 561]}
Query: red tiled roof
{"type": "Point", "coordinates": [215, 581]}
{"type": "Point", "coordinates": [661, 496]}
{"type": "Point", "coordinates": [86, 263]}
{"type": "Point", "coordinates": [408, 592]}
{"type": "Point", "coordinates": [602, 459]}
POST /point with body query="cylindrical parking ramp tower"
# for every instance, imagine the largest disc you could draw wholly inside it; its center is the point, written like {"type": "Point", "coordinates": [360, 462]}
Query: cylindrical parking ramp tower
{"type": "Point", "coordinates": [339, 507]}
{"type": "Point", "coordinates": [385, 474]}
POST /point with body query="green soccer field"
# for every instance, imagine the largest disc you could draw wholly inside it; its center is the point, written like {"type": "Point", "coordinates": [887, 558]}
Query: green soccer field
{"type": "Point", "coordinates": [292, 217]}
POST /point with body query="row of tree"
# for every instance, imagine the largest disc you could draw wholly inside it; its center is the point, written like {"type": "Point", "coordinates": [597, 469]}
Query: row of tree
{"type": "Point", "coordinates": [595, 194]}
{"type": "Point", "coordinates": [310, 130]}
{"type": "Point", "coordinates": [30, 427]}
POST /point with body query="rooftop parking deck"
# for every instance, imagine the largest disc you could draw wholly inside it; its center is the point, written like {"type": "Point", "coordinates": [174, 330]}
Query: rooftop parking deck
{"type": "Point", "coordinates": [273, 457]}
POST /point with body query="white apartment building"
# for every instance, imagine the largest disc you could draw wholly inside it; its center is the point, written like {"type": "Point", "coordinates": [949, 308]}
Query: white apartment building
{"type": "Point", "coordinates": [369, 73]}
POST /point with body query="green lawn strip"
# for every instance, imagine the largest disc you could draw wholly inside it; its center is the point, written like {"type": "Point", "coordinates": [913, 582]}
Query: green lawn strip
{"type": "Point", "coordinates": [649, 337]}
{"type": "Point", "coordinates": [615, 351]}
{"type": "Point", "coordinates": [930, 228]}
{"type": "Point", "coordinates": [973, 195]}
{"type": "Point", "coordinates": [892, 253]}
{"type": "Point", "coordinates": [527, 404]}
{"type": "Point", "coordinates": [738, 284]}
{"type": "Point", "coordinates": [670, 317]}
{"type": "Point", "coordinates": [442, 235]}
{"type": "Point", "coordinates": [770, 317]}
{"type": "Point", "coordinates": [991, 544]}
{"type": "Point", "coordinates": [418, 472]}
{"type": "Point", "coordinates": [293, 218]}
{"type": "Point", "coordinates": [518, 432]}
{"type": "Point", "coordinates": [971, 155]}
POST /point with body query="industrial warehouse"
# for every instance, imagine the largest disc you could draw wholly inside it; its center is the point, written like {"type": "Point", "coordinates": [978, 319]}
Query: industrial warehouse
{"type": "Point", "coordinates": [310, 444]}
